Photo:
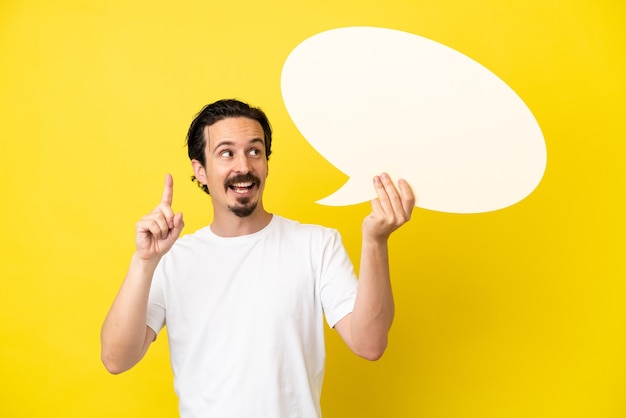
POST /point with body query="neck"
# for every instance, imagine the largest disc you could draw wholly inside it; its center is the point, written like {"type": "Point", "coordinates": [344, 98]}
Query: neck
{"type": "Point", "coordinates": [231, 225]}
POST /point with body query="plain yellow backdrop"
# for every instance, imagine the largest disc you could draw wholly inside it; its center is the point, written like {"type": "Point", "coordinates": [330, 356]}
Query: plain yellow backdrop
{"type": "Point", "coordinates": [514, 313]}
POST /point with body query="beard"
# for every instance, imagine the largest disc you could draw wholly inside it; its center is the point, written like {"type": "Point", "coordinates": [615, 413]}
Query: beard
{"type": "Point", "coordinates": [245, 206]}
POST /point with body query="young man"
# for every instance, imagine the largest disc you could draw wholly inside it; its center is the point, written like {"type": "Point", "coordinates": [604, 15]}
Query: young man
{"type": "Point", "coordinates": [244, 299]}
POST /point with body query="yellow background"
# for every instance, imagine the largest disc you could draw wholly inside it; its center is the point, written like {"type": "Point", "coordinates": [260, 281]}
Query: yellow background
{"type": "Point", "coordinates": [515, 313]}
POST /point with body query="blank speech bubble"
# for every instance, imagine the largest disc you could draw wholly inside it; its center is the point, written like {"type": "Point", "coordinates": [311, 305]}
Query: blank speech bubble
{"type": "Point", "coordinates": [374, 100]}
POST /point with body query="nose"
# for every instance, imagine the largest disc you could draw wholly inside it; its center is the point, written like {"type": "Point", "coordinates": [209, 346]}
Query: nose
{"type": "Point", "coordinates": [242, 164]}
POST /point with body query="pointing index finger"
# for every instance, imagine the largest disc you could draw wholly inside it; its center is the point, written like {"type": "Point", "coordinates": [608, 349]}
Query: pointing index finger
{"type": "Point", "coordinates": [168, 190]}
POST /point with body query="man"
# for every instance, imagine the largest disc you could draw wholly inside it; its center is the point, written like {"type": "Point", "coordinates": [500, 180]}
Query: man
{"type": "Point", "coordinates": [244, 298]}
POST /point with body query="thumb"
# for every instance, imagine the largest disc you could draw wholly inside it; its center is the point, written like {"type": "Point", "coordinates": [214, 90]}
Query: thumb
{"type": "Point", "coordinates": [179, 224]}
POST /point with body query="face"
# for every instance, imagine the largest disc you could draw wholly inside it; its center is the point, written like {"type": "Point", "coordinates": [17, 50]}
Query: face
{"type": "Point", "coordinates": [236, 166]}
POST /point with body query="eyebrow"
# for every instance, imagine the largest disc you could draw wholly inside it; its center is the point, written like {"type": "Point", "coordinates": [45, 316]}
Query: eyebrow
{"type": "Point", "coordinates": [227, 142]}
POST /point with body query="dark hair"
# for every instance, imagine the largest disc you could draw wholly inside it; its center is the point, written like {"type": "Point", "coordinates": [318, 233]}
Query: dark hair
{"type": "Point", "coordinates": [214, 112]}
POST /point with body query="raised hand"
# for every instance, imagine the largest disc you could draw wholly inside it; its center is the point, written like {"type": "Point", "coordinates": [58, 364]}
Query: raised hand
{"type": "Point", "coordinates": [390, 210]}
{"type": "Point", "coordinates": [157, 231]}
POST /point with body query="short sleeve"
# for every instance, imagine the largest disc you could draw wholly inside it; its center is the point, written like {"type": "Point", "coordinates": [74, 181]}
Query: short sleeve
{"type": "Point", "coordinates": [338, 280]}
{"type": "Point", "coordinates": [156, 302]}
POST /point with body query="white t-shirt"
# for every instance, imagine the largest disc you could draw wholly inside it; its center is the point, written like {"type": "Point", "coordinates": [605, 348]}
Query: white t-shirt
{"type": "Point", "coordinates": [245, 318]}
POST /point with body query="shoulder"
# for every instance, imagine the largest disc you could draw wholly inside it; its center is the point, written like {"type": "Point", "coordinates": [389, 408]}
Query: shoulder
{"type": "Point", "coordinates": [188, 252]}
{"type": "Point", "coordinates": [304, 237]}
{"type": "Point", "coordinates": [290, 226]}
{"type": "Point", "coordinates": [190, 244]}
{"type": "Point", "coordinates": [199, 236]}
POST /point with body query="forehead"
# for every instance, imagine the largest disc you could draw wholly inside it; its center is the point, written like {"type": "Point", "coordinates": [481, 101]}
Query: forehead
{"type": "Point", "coordinates": [233, 130]}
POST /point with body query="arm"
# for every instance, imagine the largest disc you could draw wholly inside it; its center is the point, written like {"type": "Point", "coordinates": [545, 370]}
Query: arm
{"type": "Point", "coordinates": [125, 337]}
{"type": "Point", "coordinates": [365, 330]}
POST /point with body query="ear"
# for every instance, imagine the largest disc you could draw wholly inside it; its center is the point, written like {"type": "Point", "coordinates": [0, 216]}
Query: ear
{"type": "Point", "coordinates": [199, 171]}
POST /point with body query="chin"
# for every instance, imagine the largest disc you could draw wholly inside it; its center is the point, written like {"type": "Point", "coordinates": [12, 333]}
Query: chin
{"type": "Point", "coordinates": [243, 211]}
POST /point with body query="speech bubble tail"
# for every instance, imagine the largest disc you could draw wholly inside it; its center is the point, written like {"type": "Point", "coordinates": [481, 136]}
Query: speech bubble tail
{"type": "Point", "coordinates": [354, 191]}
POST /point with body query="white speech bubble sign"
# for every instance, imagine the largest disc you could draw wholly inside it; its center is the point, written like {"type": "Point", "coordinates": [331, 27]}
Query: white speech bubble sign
{"type": "Point", "coordinates": [374, 100]}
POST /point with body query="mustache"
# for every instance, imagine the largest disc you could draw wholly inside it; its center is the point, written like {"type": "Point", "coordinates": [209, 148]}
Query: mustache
{"type": "Point", "coordinates": [241, 178]}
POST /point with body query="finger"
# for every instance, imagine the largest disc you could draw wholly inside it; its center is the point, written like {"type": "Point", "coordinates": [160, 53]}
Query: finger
{"type": "Point", "coordinates": [156, 225]}
{"type": "Point", "coordinates": [381, 193]}
{"type": "Point", "coordinates": [178, 224]}
{"type": "Point", "coordinates": [168, 190]}
{"type": "Point", "coordinates": [166, 211]}
{"type": "Point", "coordinates": [159, 227]}
{"type": "Point", "coordinates": [390, 198]}
{"type": "Point", "coordinates": [376, 206]}
{"type": "Point", "coordinates": [407, 196]}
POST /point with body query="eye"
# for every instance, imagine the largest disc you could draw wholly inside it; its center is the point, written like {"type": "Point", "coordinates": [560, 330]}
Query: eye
{"type": "Point", "coordinates": [226, 153]}
{"type": "Point", "coordinates": [255, 152]}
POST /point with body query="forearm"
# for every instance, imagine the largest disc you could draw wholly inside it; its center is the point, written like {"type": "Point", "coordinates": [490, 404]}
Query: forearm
{"type": "Point", "coordinates": [374, 307]}
{"type": "Point", "coordinates": [123, 335]}
{"type": "Point", "coordinates": [366, 329]}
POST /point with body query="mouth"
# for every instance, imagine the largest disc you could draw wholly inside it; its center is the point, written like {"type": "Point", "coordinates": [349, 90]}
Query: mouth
{"type": "Point", "coordinates": [242, 184]}
{"type": "Point", "coordinates": [241, 187]}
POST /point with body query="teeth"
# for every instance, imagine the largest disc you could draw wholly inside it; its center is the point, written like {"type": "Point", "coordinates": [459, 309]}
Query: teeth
{"type": "Point", "coordinates": [241, 187]}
